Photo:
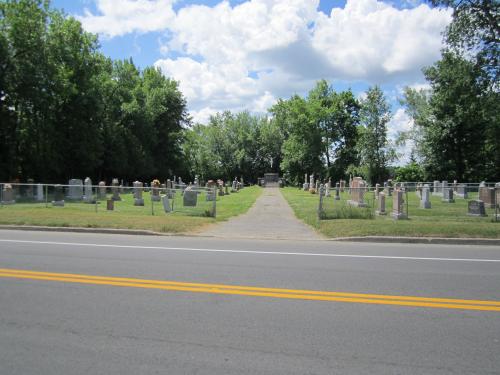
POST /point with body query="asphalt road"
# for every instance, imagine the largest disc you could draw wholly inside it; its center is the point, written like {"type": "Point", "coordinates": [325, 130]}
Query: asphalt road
{"type": "Point", "coordinates": [60, 323]}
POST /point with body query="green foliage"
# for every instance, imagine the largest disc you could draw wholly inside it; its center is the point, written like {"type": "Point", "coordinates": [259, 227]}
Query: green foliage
{"type": "Point", "coordinates": [67, 111]}
{"type": "Point", "coordinates": [409, 172]}
{"type": "Point", "coordinates": [319, 132]}
{"type": "Point", "coordinates": [474, 34]}
{"type": "Point", "coordinates": [374, 148]}
{"type": "Point", "coordinates": [457, 126]}
{"type": "Point", "coordinates": [233, 145]}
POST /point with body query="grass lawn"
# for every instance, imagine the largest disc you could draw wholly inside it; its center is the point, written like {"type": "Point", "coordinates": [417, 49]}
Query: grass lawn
{"type": "Point", "coordinates": [442, 220]}
{"type": "Point", "coordinates": [128, 216]}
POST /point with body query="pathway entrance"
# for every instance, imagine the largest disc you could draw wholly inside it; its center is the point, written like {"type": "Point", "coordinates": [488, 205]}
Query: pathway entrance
{"type": "Point", "coordinates": [269, 218]}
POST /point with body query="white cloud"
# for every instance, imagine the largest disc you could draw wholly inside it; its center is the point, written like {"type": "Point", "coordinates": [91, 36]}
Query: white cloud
{"type": "Point", "coordinates": [119, 17]}
{"type": "Point", "coordinates": [401, 122]}
{"type": "Point", "coordinates": [373, 41]}
{"type": "Point", "coordinates": [245, 56]}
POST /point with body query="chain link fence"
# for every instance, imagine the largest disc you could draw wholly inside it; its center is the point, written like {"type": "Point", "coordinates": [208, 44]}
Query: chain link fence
{"type": "Point", "coordinates": [178, 200]}
{"type": "Point", "coordinates": [411, 200]}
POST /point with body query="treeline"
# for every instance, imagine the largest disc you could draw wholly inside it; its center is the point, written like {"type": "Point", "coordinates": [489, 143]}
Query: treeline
{"type": "Point", "coordinates": [328, 133]}
{"type": "Point", "coordinates": [68, 111]}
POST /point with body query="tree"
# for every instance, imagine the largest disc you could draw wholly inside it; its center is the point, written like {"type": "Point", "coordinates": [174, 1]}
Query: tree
{"type": "Point", "coordinates": [374, 148]}
{"type": "Point", "coordinates": [474, 34]}
{"type": "Point", "coordinates": [319, 132]}
{"type": "Point", "coordinates": [457, 127]}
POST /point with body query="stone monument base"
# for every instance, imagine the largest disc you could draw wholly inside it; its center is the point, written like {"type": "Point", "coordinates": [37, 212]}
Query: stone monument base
{"type": "Point", "coordinates": [138, 202]}
{"type": "Point", "coordinates": [58, 203]}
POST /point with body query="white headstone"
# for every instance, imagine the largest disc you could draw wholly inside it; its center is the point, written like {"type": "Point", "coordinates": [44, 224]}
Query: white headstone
{"type": "Point", "coordinates": [75, 190]}
{"type": "Point", "coordinates": [88, 198]}
{"type": "Point", "coordinates": [425, 201]}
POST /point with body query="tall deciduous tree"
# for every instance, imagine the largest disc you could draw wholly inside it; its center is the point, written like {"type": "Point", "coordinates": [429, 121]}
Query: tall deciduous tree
{"type": "Point", "coordinates": [474, 33]}
{"type": "Point", "coordinates": [374, 148]}
{"type": "Point", "coordinates": [457, 127]}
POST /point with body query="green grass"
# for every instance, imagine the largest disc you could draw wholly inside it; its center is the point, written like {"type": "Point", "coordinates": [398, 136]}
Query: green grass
{"type": "Point", "coordinates": [128, 216]}
{"type": "Point", "coordinates": [442, 220]}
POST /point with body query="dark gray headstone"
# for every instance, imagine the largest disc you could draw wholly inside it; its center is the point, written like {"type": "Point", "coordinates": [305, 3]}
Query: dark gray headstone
{"type": "Point", "coordinates": [476, 208]}
{"type": "Point", "coordinates": [190, 198]}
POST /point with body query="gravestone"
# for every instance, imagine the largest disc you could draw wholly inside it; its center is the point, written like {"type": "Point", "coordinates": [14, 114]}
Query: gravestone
{"type": "Point", "coordinates": [388, 188]}
{"type": "Point", "coordinates": [88, 198]}
{"type": "Point", "coordinates": [39, 193]}
{"type": "Point", "coordinates": [381, 204]}
{"type": "Point", "coordinates": [312, 185]}
{"type": "Point", "coordinates": [110, 204]}
{"type": "Point", "coordinates": [155, 191]}
{"type": "Point", "coordinates": [138, 187]}
{"type": "Point", "coordinates": [234, 186]}
{"type": "Point", "coordinates": [196, 181]}
{"type": "Point", "coordinates": [327, 189]}
{"type": "Point", "coordinates": [102, 190]}
{"type": "Point", "coordinates": [398, 205]}
{"type": "Point", "coordinates": [8, 194]}
{"type": "Point", "coordinates": [455, 186]}
{"type": "Point", "coordinates": [75, 190]}
{"type": "Point", "coordinates": [462, 191]}
{"type": "Point", "coordinates": [357, 188]}
{"type": "Point", "coordinates": [226, 189]}
{"type": "Point", "coordinates": [476, 208]}
{"type": "Point", "coordinates": [444, 185]}
{"type": "Point", "coordinates": [448, 195]}
{"type": "Point", "coordinates": [190, 198]}
{"type": "Point", "coordinates": [487, 195]}
{"type": "Point", "coordinates": [436, 188]}
{"type": "Point", "coordinates": [418, 190]}
{"type": "Point", "coordinates": [342, 186]}
{"type": "Point", "coordinates": [166, 204]}
{"type": "Point", "coordinates": [210, 194]}
{"type": "Point", "coordinates": [58, 196]}
{"type": "Point", "coordinates": [337, 191]}
{"type": "Point", "coordinates": [377, 190]}
{"type": "Point", "coordinates": [425, 200]}
{"type": "Point", "coordinates": [115, 186]}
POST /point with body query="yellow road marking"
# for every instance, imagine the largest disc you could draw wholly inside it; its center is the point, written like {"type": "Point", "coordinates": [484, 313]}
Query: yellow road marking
{"type": "Point", "coordinates": [380, 299]}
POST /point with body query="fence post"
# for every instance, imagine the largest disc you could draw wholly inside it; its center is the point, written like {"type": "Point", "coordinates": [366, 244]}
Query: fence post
{"type": "Point", "coordinates": [96, 200]}
{"type": "Point", "coordinates": [320, 206]}
{"type": "Point", "coordinates": [407, 204]}
{"type": "Point", "coordinates": [46, 196]}
{"type": "Point", "coordinates": [497, 203]}
{"type": "Point", "coordinates": [152, 202]}
{"type": "Point", "coordinates": [214, 209]}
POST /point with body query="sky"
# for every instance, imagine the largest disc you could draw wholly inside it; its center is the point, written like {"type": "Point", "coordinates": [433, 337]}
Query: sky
{"type": "Point", "coordinates": [245, 54]}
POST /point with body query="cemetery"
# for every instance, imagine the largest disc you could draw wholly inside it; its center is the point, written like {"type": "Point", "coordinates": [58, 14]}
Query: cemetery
{"type": "Point", "coordinates": [167, 207]}
{"type": "Point", "coordinates": [399, 209]}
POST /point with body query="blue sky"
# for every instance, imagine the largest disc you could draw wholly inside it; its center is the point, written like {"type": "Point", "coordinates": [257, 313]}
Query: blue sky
{"type": "Point", "coordinates": [245, 54]}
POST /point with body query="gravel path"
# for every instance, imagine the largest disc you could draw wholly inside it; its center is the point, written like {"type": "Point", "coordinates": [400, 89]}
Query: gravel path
{"type": "Point", "coordinates": [269, 218]}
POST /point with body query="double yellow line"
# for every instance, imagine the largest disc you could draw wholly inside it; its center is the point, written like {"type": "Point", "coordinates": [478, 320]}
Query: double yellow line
{"type": "Point", "coordinates": [314, 295]}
